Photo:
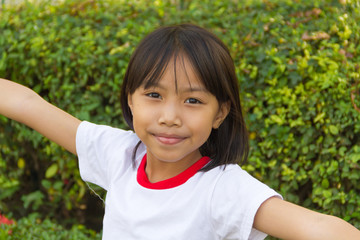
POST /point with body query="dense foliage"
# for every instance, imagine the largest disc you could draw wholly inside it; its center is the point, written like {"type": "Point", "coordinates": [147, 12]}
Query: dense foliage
{"type": "Point", "coordinates": [32, 227]}
{"type": "Point", "coordinates": [298, 68]}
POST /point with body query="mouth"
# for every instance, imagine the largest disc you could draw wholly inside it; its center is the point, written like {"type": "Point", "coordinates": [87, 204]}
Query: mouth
{"type": "Point", "coordinates": [169, 139]}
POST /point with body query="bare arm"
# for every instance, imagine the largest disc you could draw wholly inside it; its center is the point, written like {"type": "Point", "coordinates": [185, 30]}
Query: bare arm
{"type": "Point", "coordinates": [285, 220]}
{"type": "Point", "coordinates": [24, 105]}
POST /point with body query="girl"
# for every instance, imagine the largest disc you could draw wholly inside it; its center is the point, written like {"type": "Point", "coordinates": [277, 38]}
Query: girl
{"type": "Point", "coordinates": [175, 176]}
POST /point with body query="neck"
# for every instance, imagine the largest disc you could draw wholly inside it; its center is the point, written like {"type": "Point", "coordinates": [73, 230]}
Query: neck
{"type": "Point", "coordinates": [157, 170]}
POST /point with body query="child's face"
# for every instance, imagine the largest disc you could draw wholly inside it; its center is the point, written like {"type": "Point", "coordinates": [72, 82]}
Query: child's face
{"type": "Point", "coordinates": [174, 118]}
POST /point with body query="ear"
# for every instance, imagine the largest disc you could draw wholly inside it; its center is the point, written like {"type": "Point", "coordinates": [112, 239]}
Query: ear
{"type": "Point", "coordinates": [222, 114]}
{"type": "Point", "coordinates": [130, 102]}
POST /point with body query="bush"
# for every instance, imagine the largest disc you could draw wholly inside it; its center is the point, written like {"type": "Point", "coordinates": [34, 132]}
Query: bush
{"type": "Point", "coordinates": [297, 65]}
{"type": "Point", "coordinates": [32, 227]}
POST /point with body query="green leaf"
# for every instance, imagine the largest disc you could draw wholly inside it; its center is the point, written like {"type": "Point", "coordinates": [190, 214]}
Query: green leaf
{"type": "Point", "coordinates": [355, 157]}
{"type": "Point", "coordinates": [277, 119]}
{"type": "Point", "coordinates": [325, 183]}
{"type": "Point", "coordinates": [46, 183]}
{"type": "Point", "coordinates": [51, 171]}
{"type": "Point", "coordinates": [333, 130]}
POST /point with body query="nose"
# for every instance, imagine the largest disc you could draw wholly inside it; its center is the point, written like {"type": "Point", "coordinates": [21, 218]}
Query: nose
{"type": "Point", "coordinates": [170, 115]}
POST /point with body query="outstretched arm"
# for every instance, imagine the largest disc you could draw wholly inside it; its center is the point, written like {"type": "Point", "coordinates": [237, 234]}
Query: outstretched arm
{"type": "Point", "coordinates": [285, 220]}
{"type": "Point", "coordinates": [24, 105]}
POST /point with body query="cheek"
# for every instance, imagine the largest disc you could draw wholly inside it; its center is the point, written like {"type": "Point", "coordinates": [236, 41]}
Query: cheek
{"type": "Point", "coordinates": [138, 110]}
{"type": "Point", "coordinates": [142, 117]}
{"type": "Point", "coordinates": [201, 126]}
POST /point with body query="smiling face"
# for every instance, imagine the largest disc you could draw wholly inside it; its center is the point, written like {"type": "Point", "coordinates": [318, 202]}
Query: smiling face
{"type": "Point", "coordinates": [175, 116]}
{"type": "Point", "coordinates": [215, 71]}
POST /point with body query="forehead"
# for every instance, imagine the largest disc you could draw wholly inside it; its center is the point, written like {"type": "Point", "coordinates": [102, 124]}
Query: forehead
{"type": "Point", "coordinates": [178, 72]}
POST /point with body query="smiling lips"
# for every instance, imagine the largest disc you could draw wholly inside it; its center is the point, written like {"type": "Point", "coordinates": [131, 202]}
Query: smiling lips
{"type": "Point", "coordinates": [168, 139]}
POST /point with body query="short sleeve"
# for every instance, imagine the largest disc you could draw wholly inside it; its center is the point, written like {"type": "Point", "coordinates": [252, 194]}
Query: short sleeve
{"type": "Point", "coordinates": [102, 150]}
{"type": "Point", "coordinates": [236, 198]}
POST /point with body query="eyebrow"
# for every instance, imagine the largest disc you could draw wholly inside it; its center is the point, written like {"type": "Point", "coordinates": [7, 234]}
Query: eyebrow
{"type": "Point", "coordinates": [185, 90]}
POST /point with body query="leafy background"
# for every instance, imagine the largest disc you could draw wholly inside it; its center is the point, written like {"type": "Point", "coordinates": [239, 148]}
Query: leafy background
{"type": "Point", "coordinates": [298, 68]}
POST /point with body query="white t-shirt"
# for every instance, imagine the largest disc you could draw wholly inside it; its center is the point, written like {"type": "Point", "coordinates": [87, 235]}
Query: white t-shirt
{"type": "Point", "coordinates": [217, 204]}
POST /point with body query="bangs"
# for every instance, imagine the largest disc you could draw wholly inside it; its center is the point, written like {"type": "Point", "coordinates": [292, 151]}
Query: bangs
{"type": "Point", "coordinates": [153, 57]}
{"type": "Point", "coordinates": [154, 68]}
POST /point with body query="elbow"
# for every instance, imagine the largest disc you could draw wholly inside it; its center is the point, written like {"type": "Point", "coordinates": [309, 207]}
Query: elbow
{"type": "Point", "coordinates": [22, 105]}
{"type": "Point", "coordinates": [331, 227]}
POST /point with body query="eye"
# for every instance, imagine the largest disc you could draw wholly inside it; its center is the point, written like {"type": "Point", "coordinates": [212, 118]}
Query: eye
{"type": "Point", "coordinates": [193, 101]}
{"type": "Point", "coordinates": [153, 95]}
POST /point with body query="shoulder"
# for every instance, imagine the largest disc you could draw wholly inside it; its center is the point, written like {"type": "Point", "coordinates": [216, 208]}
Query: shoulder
{"type": "Point", "coordinates": [104, 152]}
{"type": "Point", "coordinates": [98, 129]}
{"type": "Point", "coordinates": [235, 200]}
{"type": "Point", "coordinates": [105, 143]}
{"type": "Point", "coordinates": [235, 183]}
{"type": "Point", "coordinates": [105, 135]}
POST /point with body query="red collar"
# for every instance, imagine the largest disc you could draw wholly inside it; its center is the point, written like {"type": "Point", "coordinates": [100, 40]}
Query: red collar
{"type": "Point", "coordinates": [171, 182]}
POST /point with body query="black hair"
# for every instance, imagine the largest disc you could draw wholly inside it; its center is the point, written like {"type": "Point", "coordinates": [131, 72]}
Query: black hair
{"type": "Point", "coordinates": [212, 61]}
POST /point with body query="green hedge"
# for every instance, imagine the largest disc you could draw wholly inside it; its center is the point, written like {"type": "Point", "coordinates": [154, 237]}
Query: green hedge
{"type": "Point", "coordinates": [33, 227]}
{"type": "Point", "coordinates": [298, 67]}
